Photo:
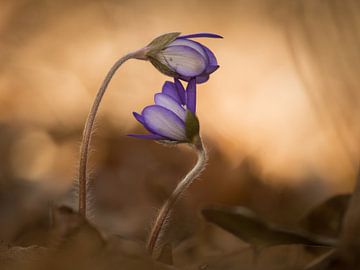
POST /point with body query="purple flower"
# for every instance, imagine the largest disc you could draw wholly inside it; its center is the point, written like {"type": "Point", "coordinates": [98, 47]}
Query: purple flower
{"type": "Point", "coordinates": [183, 58]}
{"type": "Point", "coordinates": [172, 118]}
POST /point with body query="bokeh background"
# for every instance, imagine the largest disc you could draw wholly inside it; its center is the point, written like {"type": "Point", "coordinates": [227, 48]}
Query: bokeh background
{"type": "Point", "coordinates": [280, 116]}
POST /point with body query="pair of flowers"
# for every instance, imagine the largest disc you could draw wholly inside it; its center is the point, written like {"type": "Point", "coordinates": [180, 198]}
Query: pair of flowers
{"type": "Point", "coordinates": [172, 119]}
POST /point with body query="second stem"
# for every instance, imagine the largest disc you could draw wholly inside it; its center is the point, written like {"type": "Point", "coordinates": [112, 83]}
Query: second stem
{"type": "Point", "coordinates": [154, 243]}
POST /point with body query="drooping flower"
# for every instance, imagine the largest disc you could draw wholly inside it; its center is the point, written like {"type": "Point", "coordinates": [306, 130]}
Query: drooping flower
{"type": "Point", "coordinates": [172, 118]}
{"type": "Point", "coordinates": [180, 57]}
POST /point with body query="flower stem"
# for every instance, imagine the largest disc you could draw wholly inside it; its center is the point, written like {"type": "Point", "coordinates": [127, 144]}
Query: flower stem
{"type": "Point", "coordinates": [87, 133]}
{"type": "Point", "coordinates": [154, 243]}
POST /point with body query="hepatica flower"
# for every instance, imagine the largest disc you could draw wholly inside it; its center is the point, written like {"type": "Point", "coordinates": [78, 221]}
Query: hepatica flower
{"type": "Point", "coordinates": [183, 58]}
{"type": "Point", "coordinates": [172, 118]}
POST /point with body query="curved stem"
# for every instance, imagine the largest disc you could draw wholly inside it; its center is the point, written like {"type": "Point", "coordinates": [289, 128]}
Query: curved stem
{"type": "Point", "coordinates": [154, 242]}
{"type": "Point", "coordinates": [87, 133]}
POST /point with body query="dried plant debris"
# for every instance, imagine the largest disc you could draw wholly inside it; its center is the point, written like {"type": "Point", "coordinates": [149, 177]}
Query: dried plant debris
{"type": "Point", "coordinates": [277, 257]}
{"type": "Point", "coordinates": [74, 243]}
{"type": "Point", "coordinates": [77, 244]}
{"type": "Point", "coordinates": [14, 255]}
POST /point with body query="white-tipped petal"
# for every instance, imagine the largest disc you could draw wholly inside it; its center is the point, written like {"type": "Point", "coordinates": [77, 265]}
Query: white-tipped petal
{"type": "Point", "coordinates": [163, 122]}
{"type": "Point", "coordinates": [184, 60]}
{"type": "Point", "coordinates": [169, 103]}
{"type": "Point", "coordinates": [192, 44]}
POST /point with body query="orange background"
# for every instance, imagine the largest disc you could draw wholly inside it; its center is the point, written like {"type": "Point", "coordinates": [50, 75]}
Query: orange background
{"type": "Point", "coordinates": [285, 97]}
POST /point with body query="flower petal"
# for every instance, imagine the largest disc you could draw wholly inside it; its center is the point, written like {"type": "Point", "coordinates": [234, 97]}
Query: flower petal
{"type": "Point", "coordinates": [170, 89]}
{"type": "Point", "coordinates": [181, 91]}
{"type": "Point", "coordinates": [147, 136]}
{"type": "Point", "coordinates": [197, 35]}
{"type": "Point", "coordinates": [161, 121]}
{"type": "Point", "coordinates": [139, 117]}
{"type": "Point", "coordinates": [192, 44]}
{"type": "Point", "coordinates": [211, 69]}
{"type": "Point", "coordinates": [169, 103]}
{"type": "Point", "coordinates": [199, 79]}
{"type": "Point", "coordinates": [202, 78]}
{"type": "Point", "coordinates": [212, 62]}
{"type": "Point", "coordinates": [183, 60]}
{"type": "Point", "coordinates": [212, 59]}
{"type": "Point", "coordinates": [191, 96]}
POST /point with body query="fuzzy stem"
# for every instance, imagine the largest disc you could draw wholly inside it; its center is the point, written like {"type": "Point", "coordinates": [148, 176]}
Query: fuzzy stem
{"type": "Point", "coordinates": [87, 133]}
{"type": "Point", "coordinates": [154, 242]}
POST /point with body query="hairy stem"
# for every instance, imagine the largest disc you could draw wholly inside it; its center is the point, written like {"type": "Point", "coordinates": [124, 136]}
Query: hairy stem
{"type": "Point", "coordinates": [87, 133]}
{"type": "Point", "coordinates": [154, 243]}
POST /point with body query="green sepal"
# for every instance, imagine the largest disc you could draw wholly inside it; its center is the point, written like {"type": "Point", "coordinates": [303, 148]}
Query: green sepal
{"type": "Point", "coordinates": [192, 126]}
{"type": "Point", "coordinates": [153, 52]}
{"type": "Point", "coordinates": [161, 67]}
{"type": "Point", "coordinates": [161, 42]}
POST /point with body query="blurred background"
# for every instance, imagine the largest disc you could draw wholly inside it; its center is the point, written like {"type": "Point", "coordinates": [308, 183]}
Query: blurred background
{"type": "Point", "coordinates": [280, 116]}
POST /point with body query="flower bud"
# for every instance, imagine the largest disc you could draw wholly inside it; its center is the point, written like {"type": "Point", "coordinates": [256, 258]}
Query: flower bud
{"type": "Point", "coordinates": [182, 58]}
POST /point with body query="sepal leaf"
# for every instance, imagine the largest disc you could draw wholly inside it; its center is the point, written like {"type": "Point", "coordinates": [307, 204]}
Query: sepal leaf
{"type": "Point", "coordinates": [192, 126]}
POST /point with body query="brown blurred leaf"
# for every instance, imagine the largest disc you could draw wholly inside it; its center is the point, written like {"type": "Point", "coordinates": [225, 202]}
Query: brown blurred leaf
{"type": "Point", "coordinates": [322, 262]}
{"type": "Point", "coordinates": [246, 225]}
{"type": "Point", "coordinates": [326, 218]}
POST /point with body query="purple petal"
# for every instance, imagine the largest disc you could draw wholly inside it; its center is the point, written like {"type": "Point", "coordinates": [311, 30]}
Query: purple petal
{"type": "Point", "coordinates": [170, 89]}
{"type": "Point", "coordinates": [161, 121]}
{"type": "Point", "coordinates": [169, 103]}
{"type": "Point", "coordinates": [208, 35]}
{"type": "Point", "coordinates": [211, 69]}
{"type": "Point", "coordinates": [184, 60]}
{"type": "Point", "coordinates": [212, 62]}
{"type": "Point", "coordinates": [181, 91]}
{"type": "Point", "coordinates": [139, 117]}
{"type": "Point", "coordinates": [191, 96]}
{"type": "Point", "coordinates": [211, 56]}
{"type": "Point", "coordinates": [185, 78]}
{"type": "Point", "coordinates": [199, 79]}
{"type": "Point", "coordinates": [147, 136]}
{"type": "Point", "coordinates": [202, 78]}
{"type": "Point", "coordinates": [192, 44]}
